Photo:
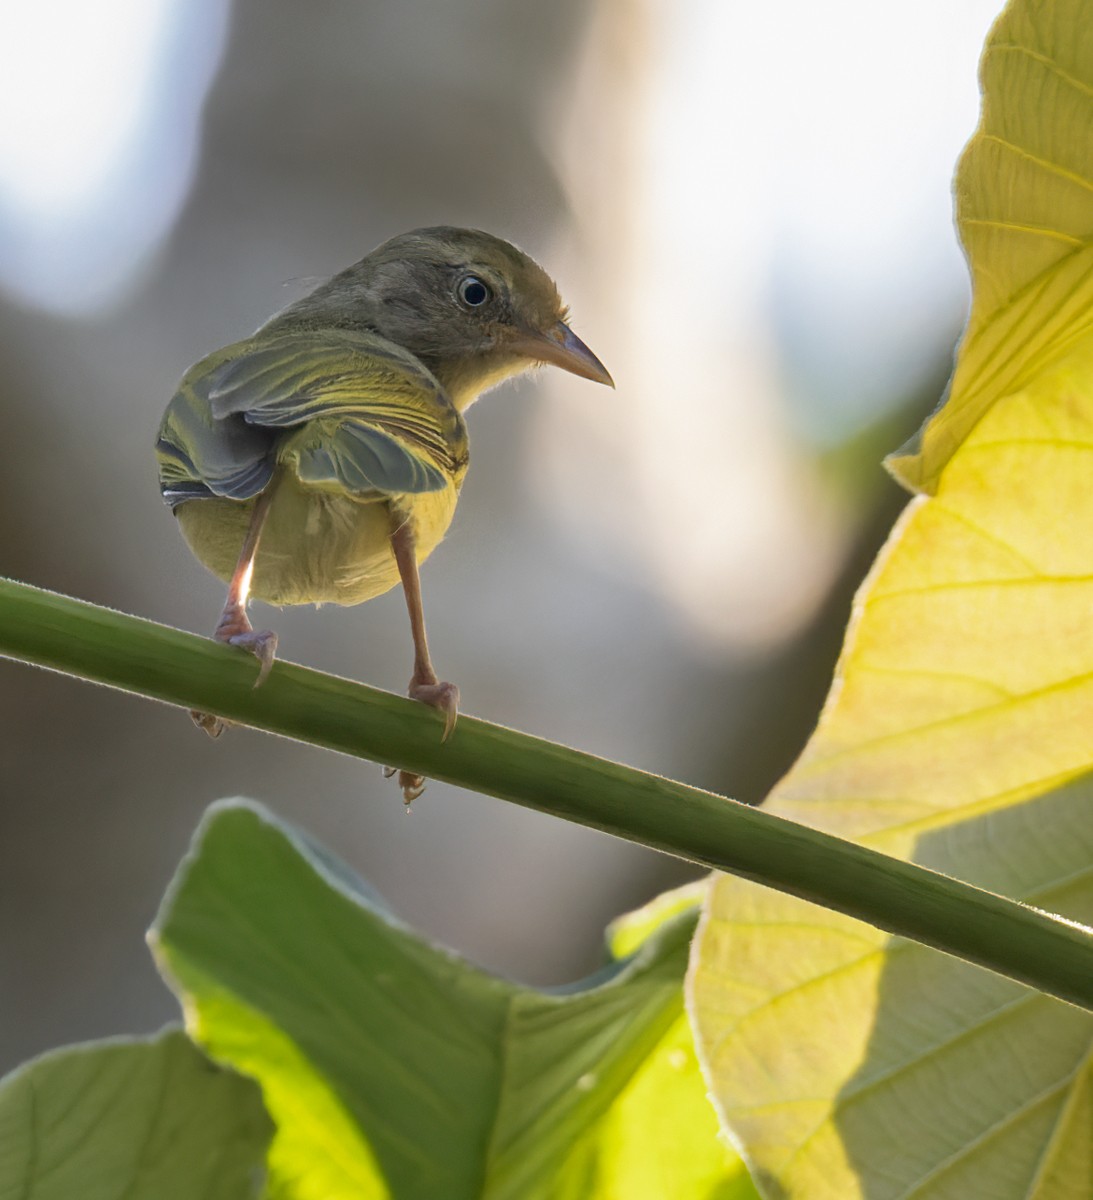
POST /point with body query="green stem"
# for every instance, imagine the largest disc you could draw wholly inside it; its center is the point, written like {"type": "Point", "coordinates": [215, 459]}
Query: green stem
{"type": "Point", "coordinates": [194, 672]}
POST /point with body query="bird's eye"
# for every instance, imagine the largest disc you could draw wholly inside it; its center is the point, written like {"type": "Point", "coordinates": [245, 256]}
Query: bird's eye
{"type": "Point", "coordinates": [473, 292]}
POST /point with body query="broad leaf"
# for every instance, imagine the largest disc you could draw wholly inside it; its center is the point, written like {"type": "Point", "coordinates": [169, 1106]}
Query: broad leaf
{"type": "Point", "coordinates": [394, 1069]}
{"type": "Point", "coordinates": [130, 1120]}
{"type": "Point", "coordinates": [959, 732]}
{"type": "Point", "coordinates": [1024, 203]}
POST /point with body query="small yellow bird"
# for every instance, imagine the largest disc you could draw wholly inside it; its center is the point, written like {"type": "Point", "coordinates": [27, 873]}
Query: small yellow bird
{"type": "Point", "coordinates": [321, 459]}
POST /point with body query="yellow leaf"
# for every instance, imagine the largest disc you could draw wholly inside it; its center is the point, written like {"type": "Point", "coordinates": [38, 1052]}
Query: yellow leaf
{"type": "Point", "coordinates": [1024, 205]}
{"type": "Point", "coordinates": [959, 732]}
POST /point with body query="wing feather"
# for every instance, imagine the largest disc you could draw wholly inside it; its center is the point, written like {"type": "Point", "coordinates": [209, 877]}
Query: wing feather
{"type": "Point", "coordinates": [345, 411]}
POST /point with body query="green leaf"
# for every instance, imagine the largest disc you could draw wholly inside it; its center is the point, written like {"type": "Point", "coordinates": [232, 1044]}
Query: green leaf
{"type": "Point", "coordinates": [849, 1063]}
{"type": "Point", "coordinates": [130, 1120]}
{"type": "Point", "coordinates": [394, 1069]}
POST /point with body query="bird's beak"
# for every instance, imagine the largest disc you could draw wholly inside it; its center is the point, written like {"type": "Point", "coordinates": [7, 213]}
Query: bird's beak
{"type": "Point", "coordinates": [561, 347]}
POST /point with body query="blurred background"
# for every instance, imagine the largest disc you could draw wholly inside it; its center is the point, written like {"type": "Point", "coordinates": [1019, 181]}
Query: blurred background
{"type": "Point", "coordinates": [748, 208]}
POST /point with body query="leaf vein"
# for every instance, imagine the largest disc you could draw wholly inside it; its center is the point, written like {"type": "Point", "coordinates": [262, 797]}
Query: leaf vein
{"type": "Point", "coordinates": [962, 518]}
{"type": "Point", "coordinates": [819, 766]}
{"type": "Point", "coordinates": [950, 676]}
{"type": "Point", "coordinates": [1045, 60]}
{"type": "Point", "coordinates": [1052, 1143]}
{"type": "Point", "coordinates": [1036, 230]}
{"type": "Point", "coordinates": [1055, 443]}
{"type": "Point", "coordinates": [1045, 164]}
{"type": "Point", "coordinates": [1013, 1117]}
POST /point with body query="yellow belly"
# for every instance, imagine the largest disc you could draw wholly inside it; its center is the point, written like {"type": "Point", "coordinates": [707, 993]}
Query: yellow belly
{"type": "Point", "coordinates": [316, 547]}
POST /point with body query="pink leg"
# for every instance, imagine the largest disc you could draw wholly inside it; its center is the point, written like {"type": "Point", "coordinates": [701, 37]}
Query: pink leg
{"type": "Point", "coordinates": [234, 627]}
{"type": "Point", "coordinates": [424, 684]}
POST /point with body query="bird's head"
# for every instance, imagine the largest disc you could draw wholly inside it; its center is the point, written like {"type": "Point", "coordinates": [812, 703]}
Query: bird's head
{"type": "Point", "coordinates": [473, 308]}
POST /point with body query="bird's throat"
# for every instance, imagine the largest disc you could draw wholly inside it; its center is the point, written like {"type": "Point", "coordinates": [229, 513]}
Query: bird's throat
{"type": "Point", "coordinates": [466, 379]}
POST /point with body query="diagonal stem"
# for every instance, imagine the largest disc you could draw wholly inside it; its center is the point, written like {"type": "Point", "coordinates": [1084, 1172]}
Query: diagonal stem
{"type": "Point", "coordinates": [910, 901]}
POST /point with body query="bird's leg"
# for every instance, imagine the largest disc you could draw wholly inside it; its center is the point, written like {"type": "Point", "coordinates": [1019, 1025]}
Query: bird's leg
{"type": "Point", "coordinates": [424, 684]}
{"type": "Point", "coordinates": [234, 626]}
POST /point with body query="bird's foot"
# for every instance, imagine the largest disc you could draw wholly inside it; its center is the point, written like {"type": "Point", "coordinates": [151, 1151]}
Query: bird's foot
{"type": "Point", "coordinates": [412, 785]}
{"type": "Point", "coordinates": [235, 630]}
{"type": "Point", "coordinates": [261, 643]}
{"type": "Point", "coordinates": [213, 726]}
{"type": "Point", "coordinates": [438, 695]}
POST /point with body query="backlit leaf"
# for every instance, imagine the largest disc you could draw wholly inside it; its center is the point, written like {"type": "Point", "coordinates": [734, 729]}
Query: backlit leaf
{"type": "Point", "coordinates": [959, 731]}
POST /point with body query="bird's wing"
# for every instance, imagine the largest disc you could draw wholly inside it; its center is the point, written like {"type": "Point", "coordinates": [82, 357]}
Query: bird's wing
{"type": "Point", "coordinates": [345, 411]}
{"type": "Point", "coordinates": [200, 455]}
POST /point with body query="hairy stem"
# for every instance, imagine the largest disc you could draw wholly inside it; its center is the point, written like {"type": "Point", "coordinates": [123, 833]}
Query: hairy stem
{"type": "Point", "coordinates": [166, 664]}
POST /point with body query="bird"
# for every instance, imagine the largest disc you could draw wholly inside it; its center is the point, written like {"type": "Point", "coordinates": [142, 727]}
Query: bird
{"type": "Point", "coordinates": [320, 460]}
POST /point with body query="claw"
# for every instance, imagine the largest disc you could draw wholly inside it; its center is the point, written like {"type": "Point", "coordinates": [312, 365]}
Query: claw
{"type": "Point", "coordinates": [451, 715]}
{"type": "Point", "coordinates": [412, 786]}
{"type": "Point", "coordinates": [442, 696]}
{"type": "Point", "coordinates": [213, 726]}
{"type": "Point", "coordinates": [262, 644]}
